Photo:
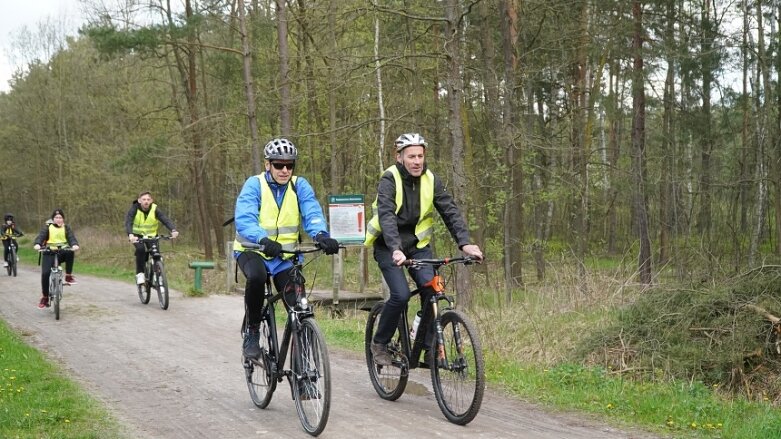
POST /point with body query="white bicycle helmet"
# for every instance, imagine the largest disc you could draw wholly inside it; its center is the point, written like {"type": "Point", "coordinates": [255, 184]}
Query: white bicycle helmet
{"type": "Point", "coordinates": [280, 149]}
{"type": "Point", "coordinates": [409, 139]}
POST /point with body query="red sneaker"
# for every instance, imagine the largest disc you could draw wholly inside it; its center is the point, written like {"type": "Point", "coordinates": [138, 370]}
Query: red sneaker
{"type": "Point", "coordinates": [70, 279]}
{"type": "Point", "coordinates": [44, 302]}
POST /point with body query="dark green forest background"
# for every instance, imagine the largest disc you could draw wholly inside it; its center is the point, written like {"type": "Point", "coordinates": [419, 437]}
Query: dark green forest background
{"type": "Point", "coordinates": [647, 130]}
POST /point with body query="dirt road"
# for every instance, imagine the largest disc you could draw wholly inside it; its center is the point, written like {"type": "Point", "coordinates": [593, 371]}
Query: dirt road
{"type": "Point", "coordinates": [177, 373]}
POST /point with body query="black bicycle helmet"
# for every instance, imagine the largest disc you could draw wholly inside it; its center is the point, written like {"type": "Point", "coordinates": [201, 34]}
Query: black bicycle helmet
{"type": "Point", "coordinates": [9, 217]}
{"type": "Point", "coordinates": [280, 149]}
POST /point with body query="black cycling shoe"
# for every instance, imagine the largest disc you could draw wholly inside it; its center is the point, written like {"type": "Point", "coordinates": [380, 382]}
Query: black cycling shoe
{"type": "Point", "coordinates": [251, 345]}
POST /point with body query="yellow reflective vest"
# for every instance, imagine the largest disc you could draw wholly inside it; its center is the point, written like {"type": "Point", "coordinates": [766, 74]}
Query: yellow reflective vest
{"type": "Point", "coordinates": [146, 225]}
{"type": "Point", "coordinates": [424, 227]}
{"type": "Point", "coordinates": [56, 236]}
{"type": "Point", "coordinates": [280, 223]}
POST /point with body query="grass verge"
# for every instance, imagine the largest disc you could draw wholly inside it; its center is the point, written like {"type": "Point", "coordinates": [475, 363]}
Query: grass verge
{"type": "Point", "coordinates": [670, 409]}
{"type": "Point", "coordinates": [37, 401]}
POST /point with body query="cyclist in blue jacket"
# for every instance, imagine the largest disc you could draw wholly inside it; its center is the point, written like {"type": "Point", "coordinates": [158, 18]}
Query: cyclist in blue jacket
{"type": "Point", "coordinates": [270, 209]}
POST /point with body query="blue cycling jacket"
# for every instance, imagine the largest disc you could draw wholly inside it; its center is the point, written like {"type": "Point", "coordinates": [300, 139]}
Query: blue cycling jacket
{"type": "Point", "coordinates": [248, 208]}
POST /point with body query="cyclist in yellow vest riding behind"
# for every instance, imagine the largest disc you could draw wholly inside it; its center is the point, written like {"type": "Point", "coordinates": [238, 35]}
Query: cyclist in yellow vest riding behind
{"type": "Point", "coordinates": [270, 209]}
{"type": "Point", "coordinates": [401, 229]}
{"type": "Point", "coordinates": [53, 234]}
{"type": "Point", "coordinates": [143, 220]}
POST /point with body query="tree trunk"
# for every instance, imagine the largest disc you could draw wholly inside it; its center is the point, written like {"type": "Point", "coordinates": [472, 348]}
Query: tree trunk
{"type": "Point", "coordinates": [668, 130]}
{"type": "Point", "coordinates": [455, 125]}
{"type": "Point", "coordinates": [579, 154]}
{"type": "Point", "coordinates": [192, 127]}
{"type": "Point", "coordinates": [706, 140]}
{"type": "Point", "coordinates": [249, 89]}
{"type": "Point", "coordinates": [513, 209]}
{"type": "Point", "coordinates": [284, 71]}
{"type": "Point", "coordinates": [638, 145]}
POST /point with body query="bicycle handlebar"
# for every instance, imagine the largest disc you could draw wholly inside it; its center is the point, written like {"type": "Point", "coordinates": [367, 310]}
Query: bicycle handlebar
{"type": "Point", "coordinates": [57, 249]}
{"type": "Point", "coordinates": [153, 238]}
{"type": "Point", "coordinates": [466, 260]}
{"type": "Point", "coordinates": [297, 251]}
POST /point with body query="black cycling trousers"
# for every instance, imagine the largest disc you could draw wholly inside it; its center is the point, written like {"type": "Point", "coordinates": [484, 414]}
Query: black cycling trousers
{"type": "Point", "coordinates": [7, 248]}
{"type": "Point", "coordinates": [140, 256]}
{"type": "Point", "coordinates": [254, 269]}
{"type": "Point", "coordinates": [399, 288]}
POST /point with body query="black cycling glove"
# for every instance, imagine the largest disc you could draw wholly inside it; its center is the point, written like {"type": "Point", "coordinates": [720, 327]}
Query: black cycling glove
{"type": "Point", "coordinates": [329, 246]}
{"type": "Point", "coordinates": [272, 249]}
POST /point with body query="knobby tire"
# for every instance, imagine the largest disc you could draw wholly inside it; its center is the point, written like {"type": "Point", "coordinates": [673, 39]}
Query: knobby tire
{"type": "Point", "coordinates": [388, 381]}
{"type": "Point", "coordinates": [12, 260]}
{"type": "Point", "coordinates": [458, 375]}
{"type": "Point", "coordinates": [55, 293]}
{"type": "Point", "coordinates": [261, 382]}
{"type": "Point", "coordinates": [145, 288]}
{"type": "Point", "coordinates": [161, 284]}
{"type": "Point", "coordinates": [312, 373]}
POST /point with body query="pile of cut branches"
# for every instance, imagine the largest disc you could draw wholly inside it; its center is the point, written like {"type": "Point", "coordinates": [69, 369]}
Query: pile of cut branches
{"type": "Point", "coordinates": [726, 336]}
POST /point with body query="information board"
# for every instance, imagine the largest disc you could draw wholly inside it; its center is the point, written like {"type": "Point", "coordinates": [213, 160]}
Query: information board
{"type": "Point", "coordinates": [347, 218]}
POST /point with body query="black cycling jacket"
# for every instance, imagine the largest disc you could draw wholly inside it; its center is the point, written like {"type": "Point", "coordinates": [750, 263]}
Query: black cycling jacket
{"type": "Point", "coordinates": [398, 230]}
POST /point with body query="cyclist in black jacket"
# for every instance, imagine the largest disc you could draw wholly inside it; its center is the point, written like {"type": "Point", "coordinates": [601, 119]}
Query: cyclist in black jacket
{"type": "Point", "coordinates": [8, 232]}
{"type": "Point", "coordinates": [55, 233]}
{"type": "Point", "coordinates": [407, 195]}
{"type": "Point", "coordinates": [143, 219]}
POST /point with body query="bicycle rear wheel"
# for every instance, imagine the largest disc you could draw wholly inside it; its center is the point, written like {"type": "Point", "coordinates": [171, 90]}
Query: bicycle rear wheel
{"type": "Point", "coordinates": [261, 381]}
{"type": "Point", "coordinates": [145, 288]}
{"type": "Point", "coordinates": [388, 381]}
{"type": "Point", "coordinates": [312, 377]}
{"type": "Point", "coordinates": [160, 284]}
{"type": "Point", "coordinates": [457, 369]}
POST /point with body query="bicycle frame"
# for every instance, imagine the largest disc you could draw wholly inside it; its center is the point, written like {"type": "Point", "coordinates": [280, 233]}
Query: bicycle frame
{"type": "Point", "coordinates": [454, 358]}
{"type": "Point", "coordinates": [292, 326]}
{"type": "Point", "coordinates": [56, 283]}
{"type": "Point", "coordinates": [413, 348]}
{"type": "Point", "coordinates": [295, 314]}
{"type": "Point", "coordinates": [309, 373]}
{"type": "Point", "coordinates": [154, 273]}
{"type": "Point", "coordinates": [13, 248]}
{"type": "Point", "coordinates": [152, 247]}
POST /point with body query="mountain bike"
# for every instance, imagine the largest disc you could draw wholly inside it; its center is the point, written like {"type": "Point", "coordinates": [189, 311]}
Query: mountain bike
{"type": "Point", "coordinates": [154, 272]}
{"type": "Point", "coordinates": [455, 358]}
{"type": "Point", "coordinates": [56, 278]}
{"type": "Point", "coordinates": [12, 257]}
{"type": "Point", "coordinates": [309, 374]}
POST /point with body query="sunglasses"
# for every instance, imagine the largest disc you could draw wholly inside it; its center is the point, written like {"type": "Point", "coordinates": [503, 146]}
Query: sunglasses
{"type": "Point", "coordinates": [280, 166]}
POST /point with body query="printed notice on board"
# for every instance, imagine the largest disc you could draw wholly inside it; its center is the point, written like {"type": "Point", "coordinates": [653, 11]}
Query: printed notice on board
{"type": "Point", "coordinates": [347, 218]}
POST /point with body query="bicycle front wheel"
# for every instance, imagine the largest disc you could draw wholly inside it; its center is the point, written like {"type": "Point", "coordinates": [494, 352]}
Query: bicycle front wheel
{"type": "Point", "coordinates": [312, 377]}
{"type": "Point", "coordinates": [261, 381]}
{"type": "Point", "coordinates": [12, 262]}
{"type": "Point", "coordinates": [161, 284]}
{"type": "Point", "coordinates": [388, 381]}
{"type": "Point", "coordinates": [145, 288]}
{"type": "Point", "coordinates": [457, 369]}
{"type": "Point", "coordinates": [55, 293]}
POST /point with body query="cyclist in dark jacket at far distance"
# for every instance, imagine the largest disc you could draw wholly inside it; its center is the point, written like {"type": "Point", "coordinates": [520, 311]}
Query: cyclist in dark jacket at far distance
{"type": "Point", "coordinates": [53, 234]}
{"type": "Point", "coordinates": [142, 220]}
{"type": "Point", "coordinates": [401, 229]}
{"type": "Point", "coordinates": [8, 232]}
